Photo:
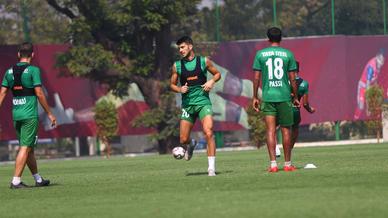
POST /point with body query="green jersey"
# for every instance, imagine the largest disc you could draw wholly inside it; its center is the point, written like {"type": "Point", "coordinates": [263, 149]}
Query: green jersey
{"type": "Point", "coordinates": [194, 74]}
{"type": "Point", "coordinates": [274, 63]}
{"type": "Point", "coordinates": [24, 107]}
{"type": "Point", "coordinates": [303, 89]}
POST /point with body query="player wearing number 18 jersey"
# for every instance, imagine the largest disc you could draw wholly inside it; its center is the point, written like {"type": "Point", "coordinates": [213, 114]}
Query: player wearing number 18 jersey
{"type": "Point", "coordinates": [274, 69]}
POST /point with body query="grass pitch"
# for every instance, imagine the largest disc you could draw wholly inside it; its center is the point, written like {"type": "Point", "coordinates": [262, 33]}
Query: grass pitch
{"type": "Point", "coordinates": [350, 181]}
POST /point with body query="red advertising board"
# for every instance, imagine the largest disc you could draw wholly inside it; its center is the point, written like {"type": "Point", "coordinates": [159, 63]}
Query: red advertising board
{"type": "Point", "coordinates": [337, 68]}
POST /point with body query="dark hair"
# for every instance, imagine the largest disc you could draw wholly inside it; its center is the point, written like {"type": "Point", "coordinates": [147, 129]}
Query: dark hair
{"type": "Point", "coordinates": [274, 34]}
{"type": "Point", "coordinates": [184, 39]}
{"type": "Point", "coordinates": [297, 66]}
{"type": "Point", "coordinates": [26, 49]}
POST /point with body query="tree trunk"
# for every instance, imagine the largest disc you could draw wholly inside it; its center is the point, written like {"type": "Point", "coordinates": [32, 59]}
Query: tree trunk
{"type": "Point", "coordinates": [163, 53]}
{"type": "Point", "coordinates": [153, 87]}
{"type": "Point", "coordinates": [165, 146]}
{"type": "Point", "coordinates": [108, 147]}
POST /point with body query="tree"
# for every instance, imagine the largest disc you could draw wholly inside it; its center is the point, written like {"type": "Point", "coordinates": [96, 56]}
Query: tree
{"type": "Point", "coordinates": [239, 19]}
{"type": "Point", "coordinates": [313, 17]}
{"type": "Point", "coordinates": [249, 19]}
{"type": "Point", "coordinates": [44, 23]}
{"type": "Point", "coordinates": [374, 99]}
{"type": "Point", "coordinates": [257, 124]}
{"type": "Point", "coordinates": [105, 115]}
{"type": "Point", "coordinates": [121, 41]}
{"type": "Point", "coordinates": [157, 117]}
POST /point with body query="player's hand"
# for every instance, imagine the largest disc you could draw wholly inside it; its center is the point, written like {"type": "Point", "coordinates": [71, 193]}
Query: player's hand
{"type": "Point", "coordinates": [208, 85]}
{"type": "Point", "coordinates": [184, 88]}
{"type": "Point", "coordinates": [296, 102]}
{"type": "Point", "coordinates": [312, 110]}
{"type": "Point", "coordinates": [256, 104]}
{"type": "Point", "coordinates": [53, 120]}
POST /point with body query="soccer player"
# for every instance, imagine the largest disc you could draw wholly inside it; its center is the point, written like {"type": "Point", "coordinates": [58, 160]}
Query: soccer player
{"type": "Point", "coordinates": [274, 69]}
{"type": "Point", "coordinates": [191, 72]}
{"type": "Point", "coordinates": [24, 81]}
{"type": "Point", "coordinates": [303, 91]}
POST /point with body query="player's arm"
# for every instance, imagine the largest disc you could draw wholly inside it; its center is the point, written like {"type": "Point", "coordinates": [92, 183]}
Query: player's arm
{"type": "Point", "coordinates": [42, 100]}
{"type": "Point", "coordinates": [174, 81]}
{"type": "Point", "coordinates": [3, 93]}
{"type": "Point", "coordinates": [216, 75]}
{"type": "Point", "coordinates": [292, 78]}
{"type": "Point", "coordinates": [256, 85]}
{"type": "Point", "coordinates": [306, 104]}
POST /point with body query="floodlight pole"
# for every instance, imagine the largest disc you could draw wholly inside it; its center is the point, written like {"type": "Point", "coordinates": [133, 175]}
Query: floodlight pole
{"type": "Point", "coordinates": [218, 36]}
{"type": "Point", "coordinates": [26, 29]}
{"type": "Point", "coordinates": [332, 18]}
{"type": "Point", "coordinates": [385, 16]}
{"type": "Point", "coordinates": [275, 21]}
{"type": "Point", "coordinates": [337, 130]}
{"type": "Point", "coordinates": [337, 123]}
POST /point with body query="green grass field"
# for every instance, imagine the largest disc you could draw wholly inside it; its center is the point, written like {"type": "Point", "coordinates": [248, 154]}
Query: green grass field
{"type": "Point", "coordinates": [350, 181]}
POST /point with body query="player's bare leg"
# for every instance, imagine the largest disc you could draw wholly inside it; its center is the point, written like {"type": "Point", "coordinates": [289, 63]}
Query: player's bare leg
{"type": "Point", "coordinates": [20, 163]}
{"type": "Point", "coordinates": [31, 162]}
{"type": "Point", "coordinates": [33, 166]}
{"type": "Point", "coordinates": [207, 126]}
{"type": "Point", "coordinates": [286, 132]}
{"type": "Point", "coordinates": [21, 160]}
{"type": "Point", "coordinates": [270, 122]}
{"type": "Point", "coordinates": [184, 139]}
{"type": "Point", "coordinates": [184, 131]}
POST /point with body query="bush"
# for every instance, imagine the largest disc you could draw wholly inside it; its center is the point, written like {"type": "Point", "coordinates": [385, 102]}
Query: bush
{"type": "Point", "coordinates": [374, 101]}
{"type": "Point", "coordinates": [106, 121]}
{"type": "Point", "coordinates": [257, 126]}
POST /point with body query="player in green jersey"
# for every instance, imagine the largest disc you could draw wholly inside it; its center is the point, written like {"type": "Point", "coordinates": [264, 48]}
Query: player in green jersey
{"type": "Point", "coordinates": [24, 81]}
{"type": "Point", "coordinates": [191, 72]}
{"type": "Point", "coordinates": [274, 70]}
{"type": "Point", "coordinates": [303, 97]}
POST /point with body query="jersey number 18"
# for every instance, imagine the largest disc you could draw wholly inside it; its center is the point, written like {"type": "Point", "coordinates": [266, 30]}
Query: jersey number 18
{"type": "Point", "coordinates": [278, 71]}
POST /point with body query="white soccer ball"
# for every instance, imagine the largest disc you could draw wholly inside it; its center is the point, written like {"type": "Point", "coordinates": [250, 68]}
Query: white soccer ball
{"type": "Point", "coordinates": [178, 152]}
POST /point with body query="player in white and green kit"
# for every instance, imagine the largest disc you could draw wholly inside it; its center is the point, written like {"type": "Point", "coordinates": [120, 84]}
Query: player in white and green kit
{"type": "Point", "coordinates": [25, 83]}
{"type": "Point", "coordinates": [191, 72]}
{"type": "Point", "coordinates": [274, 69]}
{"type": "Point", "coordinates": [303, 91]}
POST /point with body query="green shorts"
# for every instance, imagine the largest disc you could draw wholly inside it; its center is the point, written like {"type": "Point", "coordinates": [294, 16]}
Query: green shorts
{"type": "Point", "coordinates": [191, 112]}
{"type": "Point", "coordinates": [297, 117]}
{"type": "Point", "coordinates": [26, 131]}
{"type": "Point", "coordinates": [281, 110]}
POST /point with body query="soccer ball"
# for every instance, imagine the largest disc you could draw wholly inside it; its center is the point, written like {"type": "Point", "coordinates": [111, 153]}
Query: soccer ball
{"type": "Point", "coordinates": [178, 152]}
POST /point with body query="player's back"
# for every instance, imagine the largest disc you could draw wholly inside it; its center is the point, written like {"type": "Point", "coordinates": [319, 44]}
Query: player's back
{"type": "Point", "coordinates": [274, 63]}
{"type": "Point", "coordinates": [25, 106]}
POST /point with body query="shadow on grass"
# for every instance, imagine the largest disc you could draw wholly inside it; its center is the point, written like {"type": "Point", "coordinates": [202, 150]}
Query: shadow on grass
{"type": "Point", "coordinates": [29, 187]}
{"type": "Point", "coordinates": [51, 185]}
{"type": "Point", "coordinates": [205, 173]}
